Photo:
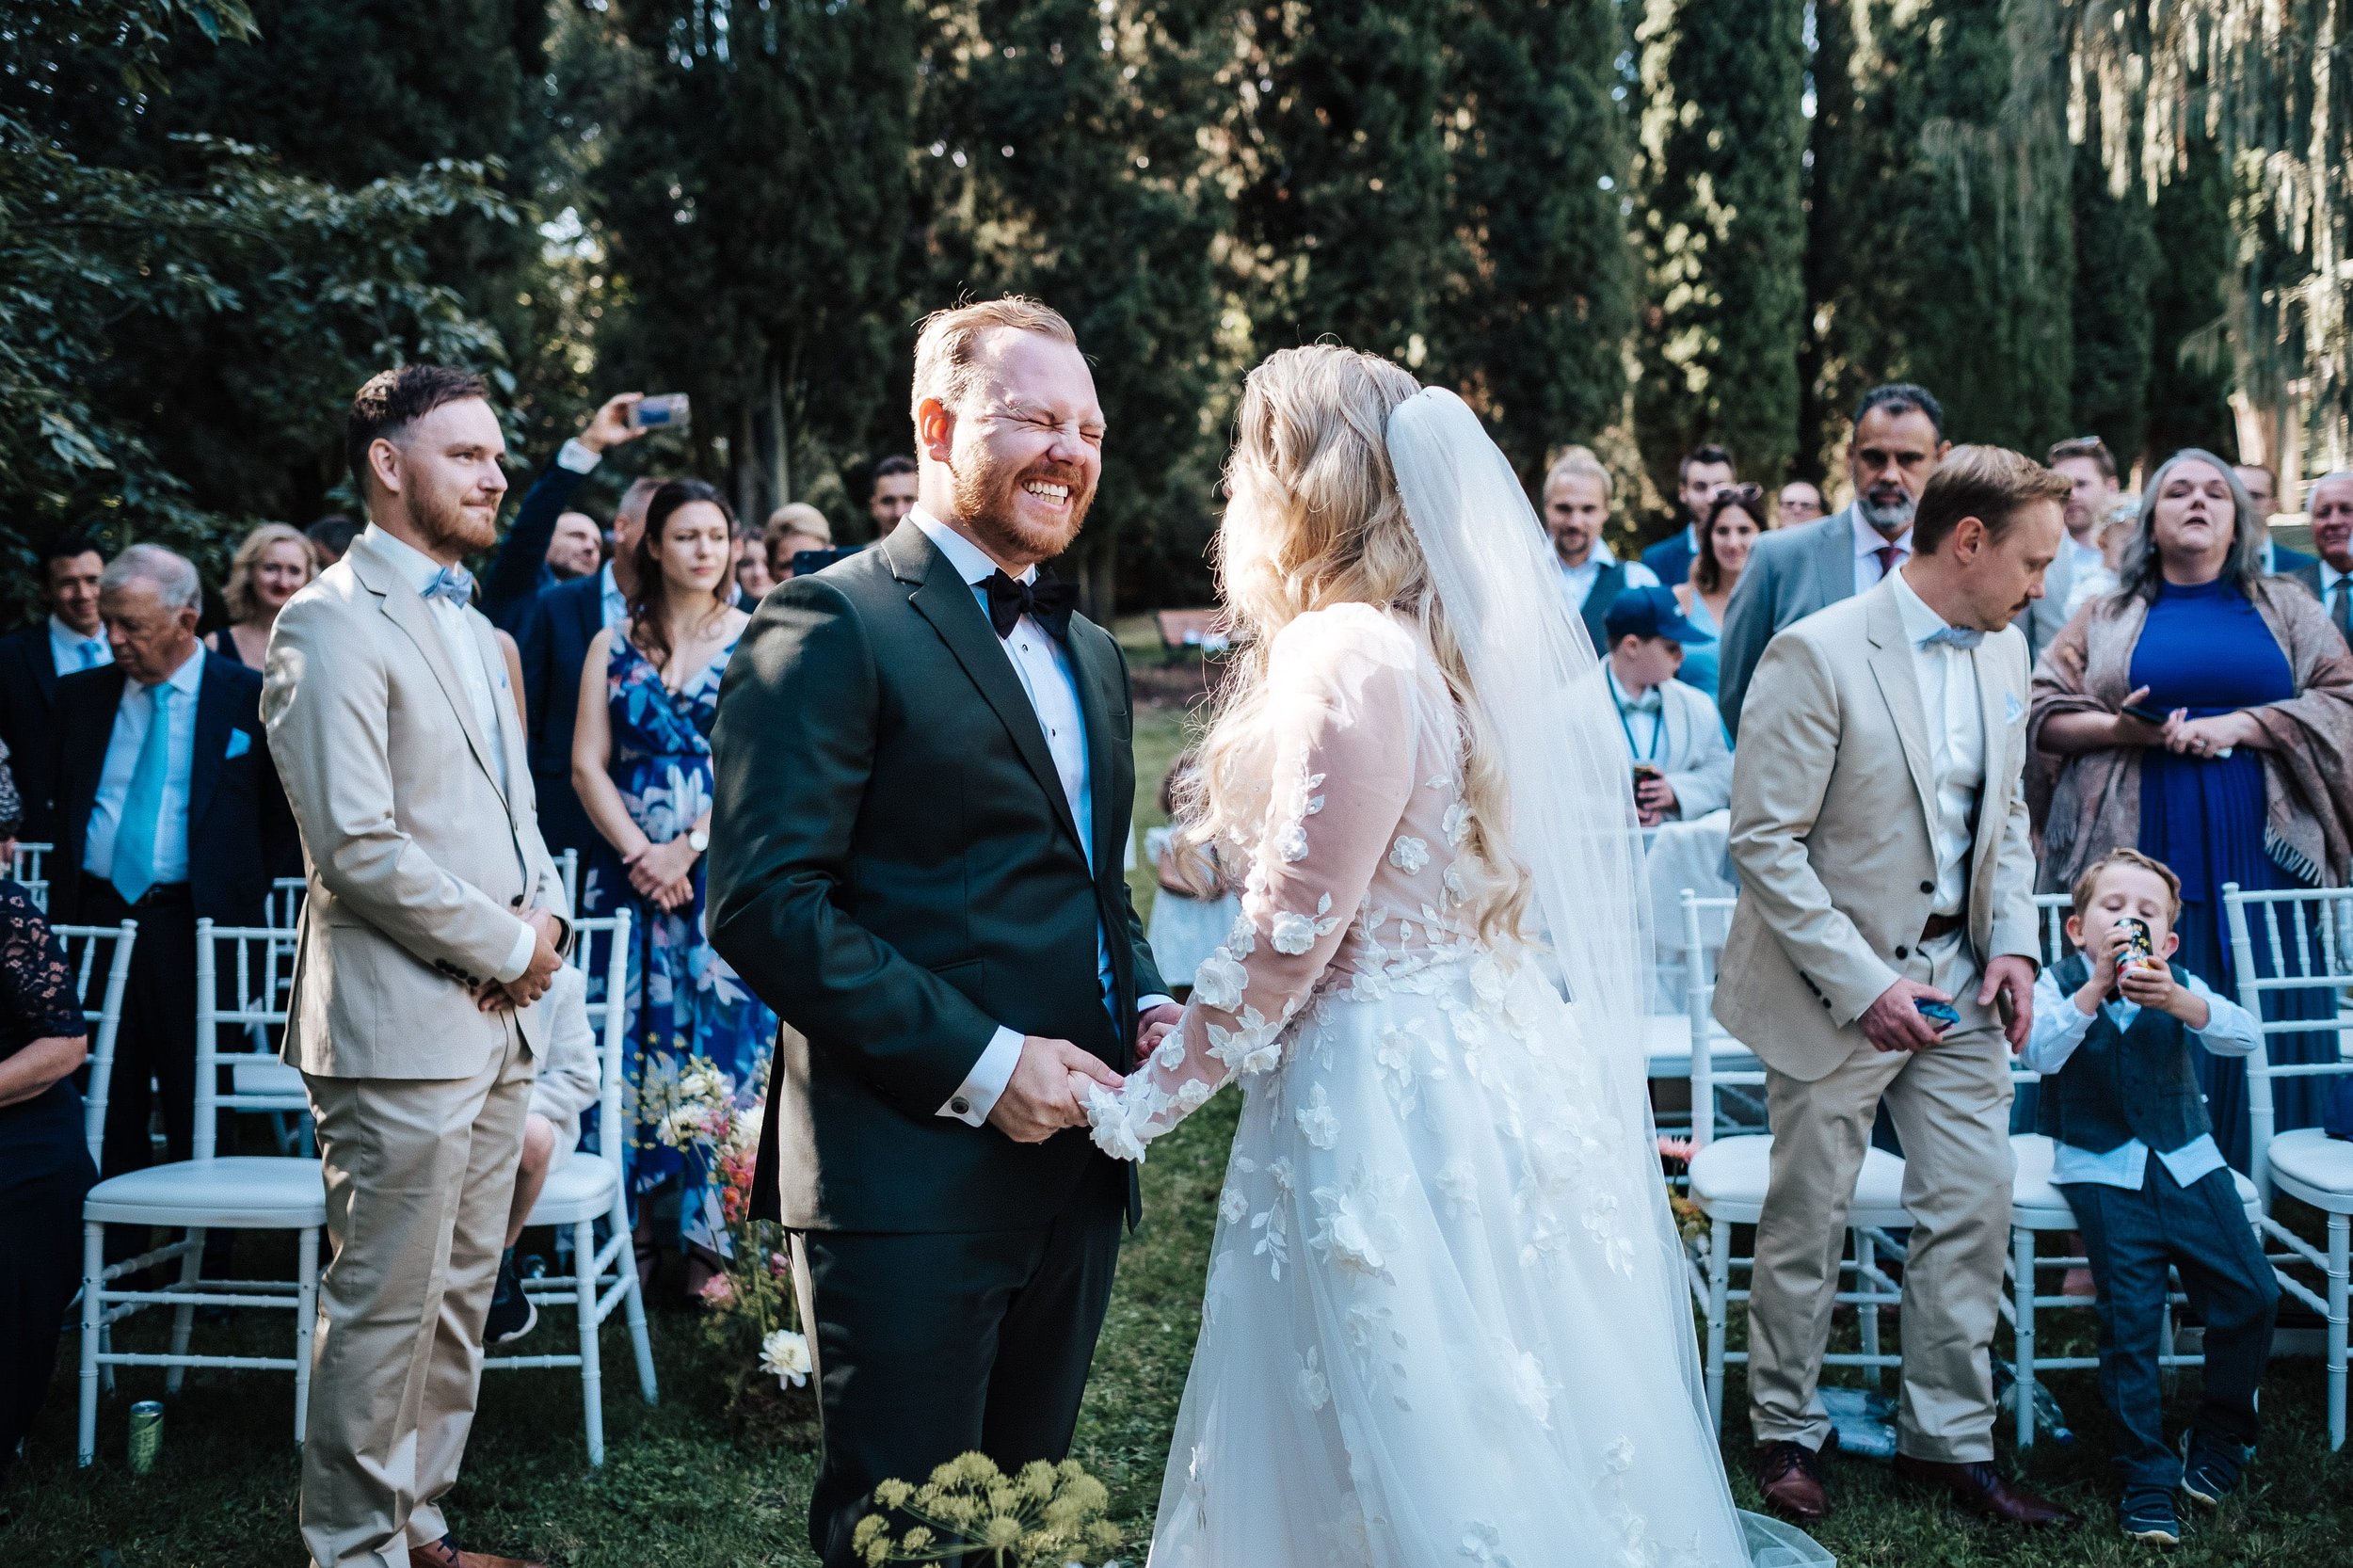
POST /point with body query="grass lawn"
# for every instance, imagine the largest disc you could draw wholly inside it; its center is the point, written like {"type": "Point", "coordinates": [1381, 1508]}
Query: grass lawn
{"type": "Point", "coordinates": [678, 1488]}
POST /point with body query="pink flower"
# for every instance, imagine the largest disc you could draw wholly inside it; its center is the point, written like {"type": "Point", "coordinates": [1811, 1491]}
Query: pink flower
{"type": "Point", "coordinates": [719, 1291]}
{"type": "Point", "coordinates": [1677, 1149]}
{"type": "Point", "coordinates": [776, 1265]}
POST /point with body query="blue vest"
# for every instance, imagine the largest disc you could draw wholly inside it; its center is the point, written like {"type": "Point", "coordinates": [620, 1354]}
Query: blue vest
{"type": "Point", "coordinates": [1608, 582]}
{"type": "Point", "coordinates": [2122, 1084]}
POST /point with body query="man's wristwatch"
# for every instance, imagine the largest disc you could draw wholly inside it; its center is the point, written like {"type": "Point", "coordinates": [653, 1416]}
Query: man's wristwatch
{"type": "Point", "coordinates": [699, 841]}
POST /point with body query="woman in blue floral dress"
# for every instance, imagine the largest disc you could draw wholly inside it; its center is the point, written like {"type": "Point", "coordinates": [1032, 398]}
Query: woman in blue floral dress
{"type": "Point", "coordinates": [641, 761]}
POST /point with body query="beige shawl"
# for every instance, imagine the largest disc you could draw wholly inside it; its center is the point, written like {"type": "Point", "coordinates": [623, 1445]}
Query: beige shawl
{"type": "Point", "coordinates": [2092, 802]}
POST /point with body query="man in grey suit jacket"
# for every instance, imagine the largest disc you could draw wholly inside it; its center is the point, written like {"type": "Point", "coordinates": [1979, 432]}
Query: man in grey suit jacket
{"type": "Point", "coordinates": [1899, 440]}
{"type": "Point", "coordinates": [432, 927]}
{"type": "Point", "coordinates": [2330, 576]}
{"type": "Point", "coordinates": [1880, 831]}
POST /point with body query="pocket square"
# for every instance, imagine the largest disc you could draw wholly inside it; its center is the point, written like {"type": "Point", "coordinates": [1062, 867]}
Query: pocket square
{"type": "Point", "coordinates": [239, 744]}
{"type": "Point", "coordinates": [2012, 710]}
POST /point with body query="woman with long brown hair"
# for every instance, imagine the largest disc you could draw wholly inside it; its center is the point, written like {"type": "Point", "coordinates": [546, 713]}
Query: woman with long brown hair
{"type": "Point", "coordinates": [1733, 521]}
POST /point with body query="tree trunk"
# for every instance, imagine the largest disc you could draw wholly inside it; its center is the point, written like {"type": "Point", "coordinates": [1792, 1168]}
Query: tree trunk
{"type": "Point", "coordinates": [779, 441]}
{"type": "Point", "coordinates": [744, 466]}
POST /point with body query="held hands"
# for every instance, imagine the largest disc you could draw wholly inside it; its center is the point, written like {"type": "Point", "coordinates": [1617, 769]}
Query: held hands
{"type": "Point", "coordinates": [530, 985]}
{"type": "Point", "coordinates": [2209, 737]}
{"type": "Point", "coordinates": [1045, 1093]}
{"type": "Point", "coordinates": [1153, 1026]}
{"type": "Point", "coordinates": [1895, 1023]}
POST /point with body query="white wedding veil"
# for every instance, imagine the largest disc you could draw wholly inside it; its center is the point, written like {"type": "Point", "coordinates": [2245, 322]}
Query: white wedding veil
{"type": "Point", "coordinates": [1535, 677]}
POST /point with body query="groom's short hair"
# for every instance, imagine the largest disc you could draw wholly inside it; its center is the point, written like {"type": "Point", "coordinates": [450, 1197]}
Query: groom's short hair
{"type": "Point", "coordinates": [948, 345]}
{"type": "Point", "coordinates": [1992, 484]}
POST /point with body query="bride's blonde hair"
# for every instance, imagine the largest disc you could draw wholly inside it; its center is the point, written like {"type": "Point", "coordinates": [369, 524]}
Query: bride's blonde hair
{"type": "Point", "coordinates": [1313, 518]}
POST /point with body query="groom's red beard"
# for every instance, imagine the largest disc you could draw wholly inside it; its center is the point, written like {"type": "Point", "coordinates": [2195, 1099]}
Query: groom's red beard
{"type": "Point", "coordinates": [989, 502]}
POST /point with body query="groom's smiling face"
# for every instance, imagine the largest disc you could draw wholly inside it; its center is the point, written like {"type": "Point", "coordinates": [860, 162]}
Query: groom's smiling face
{"type": "Point", "coordinates": [1023, 449]}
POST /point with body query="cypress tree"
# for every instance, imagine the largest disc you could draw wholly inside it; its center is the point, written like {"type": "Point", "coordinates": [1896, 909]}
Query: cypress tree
{"type": "Point", "coordinates": [1539, 301]}
{"type": "Point", "coordinates": [1059, 155]}
{"type": "Point", "coordinates": [1719, 174]}
{"type": "Point", "coordinates": [2189, 371]}
{"type": "Point", "coordinates": [2116, 257]}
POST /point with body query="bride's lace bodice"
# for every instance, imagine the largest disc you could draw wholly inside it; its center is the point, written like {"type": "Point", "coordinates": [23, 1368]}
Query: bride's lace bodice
{"type": "Point", "coordinates": [1362, 878]}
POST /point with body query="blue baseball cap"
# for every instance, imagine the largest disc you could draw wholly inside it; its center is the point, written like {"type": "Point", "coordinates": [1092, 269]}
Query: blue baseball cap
{"type": "Point", "coordinates": [1650, 612]}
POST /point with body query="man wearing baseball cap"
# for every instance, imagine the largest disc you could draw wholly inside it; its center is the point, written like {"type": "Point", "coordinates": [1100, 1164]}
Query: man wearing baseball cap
{"type": "Point", "coordinates": [1674, 740]}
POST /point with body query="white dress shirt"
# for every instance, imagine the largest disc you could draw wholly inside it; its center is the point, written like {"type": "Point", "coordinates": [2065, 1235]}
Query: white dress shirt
{"type": "Point", "coordinates": [1956, 724]}
{"type": "Point", "coordinates": [610, 599]}
{"type": "Point", "coordinates": [488, 691]}
{"type": "Point", "coordinates": [1869, 542]}
{"type": "Point", "coordinates": [2088, 574]}
{"type": "Point", "coordinates": [1642, 720]}
{"type": "Point", "coordinates": [1577, 582]}
{"type": "Point", "coordinates": [70, 652]}
{"type": "Point", "coordinates": [1044, 668]}
{"type": "Point", "coordinates": [2060, 1025]}
{"type": "Point", "coordinates": [133, 716]}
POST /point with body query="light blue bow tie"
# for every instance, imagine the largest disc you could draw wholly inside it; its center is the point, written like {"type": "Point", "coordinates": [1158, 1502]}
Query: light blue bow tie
{"type": "Point", "coordinates": [455, 583]}
{"type": "Point", "coordinates": [1965, 638]}
{"type": "Point", "coordinates": [1649, 702]}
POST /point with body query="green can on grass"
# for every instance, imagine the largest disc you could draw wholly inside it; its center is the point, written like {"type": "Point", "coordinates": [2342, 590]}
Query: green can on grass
{"type": "Point", "coordinates": [147, 1434]}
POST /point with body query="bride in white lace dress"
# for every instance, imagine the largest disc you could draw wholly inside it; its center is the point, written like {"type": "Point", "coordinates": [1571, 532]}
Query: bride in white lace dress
{"type": "Point", "coordinates": [1445, 1320]}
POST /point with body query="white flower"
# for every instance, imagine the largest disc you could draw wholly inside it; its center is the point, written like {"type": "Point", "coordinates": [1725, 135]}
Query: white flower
{"type": "Point", "coordinates": [1219, 981]}
{"type": "Point", "coordinates": [1314, 1391]}
{"type": "Point", "coordinates": [1192, 1094]}
{"type": "Point", "coordinates": [1483, 1543]}
{"type": "Point", "coordinates": [1108, 1118]}
{"type": "Point", "coordinates": [1530, 1387]}
{"type": "Point", "coordinates": [1458, 1183]}
{"type": "Point", "coordinates": [1292, 845]}
{"type": "Point", "coordinates": [1241, 942]}
{"type": "Point", "coordinates": [1291, 933]}
{"type": "Point", "coordinates": [1620, 1453]}
{"type": "Point", "coordinates": [1353, 1232]}
{"type": "Point", "coordinates": [784, 1355]}
{"type": "Point", "coordinates": [1458, 823]}
{"type": "Point", "coordinates": [1408, 854]}
{"type": "Point", "coordinates": [1232, 1205]}
{"type": "Point", "coordinates": [1317, 1123]}
{"type": "Point", "coordinates": [1457, 883]}
{"type": "Point", "coordinates": [1170, 1054]}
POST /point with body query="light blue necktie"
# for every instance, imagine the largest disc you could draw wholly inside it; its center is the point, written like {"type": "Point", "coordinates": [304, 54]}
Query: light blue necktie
{"type": "Point", "coordinates": [91, 650]}
{"type": "Point", "coordinates": [143, 804]}
{"type": "Point", "coordinates": [455, 583]}
{"type": "Point", "coordinates": [1965, 638]}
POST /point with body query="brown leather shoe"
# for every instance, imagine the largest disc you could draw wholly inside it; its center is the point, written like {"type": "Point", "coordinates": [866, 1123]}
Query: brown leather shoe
{"type": "Point", "coordinates": [1981, 1489]}
{"type": "Point", "coordinates": [444, 1554]}
{"type": "Point", "coordinates": [1790, 1476]}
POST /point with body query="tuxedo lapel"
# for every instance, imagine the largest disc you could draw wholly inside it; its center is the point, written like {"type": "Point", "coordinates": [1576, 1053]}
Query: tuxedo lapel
{"type": "Point", "coordinates": [1899, 684]}
{"type": "Point", "coordinates": [1994, 698]}
{"type": "Point", "coordinates": [406, 610]}
{"type": "Point", "coordinates": [946, 600]}
{"type": "Point", "coordinates": [44, 662]}
{"type": "Point", "coordinates": [1094, 680]}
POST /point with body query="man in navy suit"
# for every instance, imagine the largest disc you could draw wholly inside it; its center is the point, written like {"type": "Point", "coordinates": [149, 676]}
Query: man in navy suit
{"type": "Point", "coordinates": [520, 572]}
{"type": "Point", "coordinates": [2331, 575]}
{"type": "Point", "coordinates": [555, 638]}
{"type": "Point", "coordinates": [1703, 472]}
{"type": "Point", "coordinates": [169, 811]}
{"type": "Point", "coordinates": [69, 638]}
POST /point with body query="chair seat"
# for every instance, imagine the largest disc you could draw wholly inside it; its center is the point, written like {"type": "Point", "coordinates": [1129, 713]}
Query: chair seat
{"type": "Point", "coordinates": [2314, 1168]}
{"type": "Point", "coordinates": [1730, 1175]}
{"type": "Point", "coordinates": [1667, 1039]}
{"type": "Point", "coordinates": [580, 1189]}
{"type": "Point", "coordinates": [234, 1193]}
{"type": "Point", "coordinates": [2036, 1202]}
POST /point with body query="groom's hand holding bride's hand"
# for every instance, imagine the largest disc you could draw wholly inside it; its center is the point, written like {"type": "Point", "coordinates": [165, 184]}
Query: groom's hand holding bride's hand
{"type": "Point", "coordinates": [1042, 1096]}
{"type": "Point", "coordinates": [1153, 1024]}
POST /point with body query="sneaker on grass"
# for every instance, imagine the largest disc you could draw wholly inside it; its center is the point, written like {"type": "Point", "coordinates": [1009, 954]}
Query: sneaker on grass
{"type": "Point", "coordinates": [2148, 1515]}
{"type": "Point", "coordinates": [512, 1315]}
{"type": "Point", "coordinates": [2211, 1470]}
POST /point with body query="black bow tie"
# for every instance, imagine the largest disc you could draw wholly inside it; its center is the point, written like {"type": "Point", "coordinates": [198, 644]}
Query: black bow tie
{"type": "Point", "coordinates": [1048, 602]}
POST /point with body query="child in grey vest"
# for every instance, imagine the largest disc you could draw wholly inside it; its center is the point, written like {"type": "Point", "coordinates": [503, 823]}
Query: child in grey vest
{"type": "Point", "coordinates": [2137, 1161]}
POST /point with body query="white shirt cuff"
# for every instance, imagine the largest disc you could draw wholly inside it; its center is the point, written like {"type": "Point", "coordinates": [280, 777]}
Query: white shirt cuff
{"type": "Point", "coordinates": [976, 1096]}
{"type": "Point", "coordinates": [1145, 1005]}
{"type": "Point", "coordinates": [526, 943]}
{"type": "Point", "coordinates": [577, 458]}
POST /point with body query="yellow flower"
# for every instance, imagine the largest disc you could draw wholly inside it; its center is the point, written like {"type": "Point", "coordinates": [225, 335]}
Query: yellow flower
{"type": "Point", "coordinates": [917, 1539]}
{"type": "Point", "coordinates": [892, 1494]}
{"type": "Point", "coordinates": [1003, 1531]}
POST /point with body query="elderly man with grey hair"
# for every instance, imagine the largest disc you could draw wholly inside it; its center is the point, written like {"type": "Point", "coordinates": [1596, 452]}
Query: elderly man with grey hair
{"type": "Point", "coordinates": [2330, 577]}
{"type": "Point", "coordinates": [167, 811]}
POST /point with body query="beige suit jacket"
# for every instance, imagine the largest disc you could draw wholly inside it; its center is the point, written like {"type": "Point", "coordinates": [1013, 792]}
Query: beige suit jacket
{"type": "Point", "coordinates": [1832, 796]}
{"type": "Point", "coordinates": [418, 863]}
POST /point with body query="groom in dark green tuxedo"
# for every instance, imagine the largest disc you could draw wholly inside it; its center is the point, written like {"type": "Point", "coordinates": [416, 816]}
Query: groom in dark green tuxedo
{"type": "Point", "coordinates": [925, 780]}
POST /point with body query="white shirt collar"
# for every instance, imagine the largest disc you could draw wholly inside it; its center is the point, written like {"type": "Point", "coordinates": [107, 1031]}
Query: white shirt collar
{"type": "Point", "coordinates": [1920, 622]}
{"type": "Point", "coordinates": [1869, 540]}
{"type": "Point", "coordinates": [64, 637]}
{"type": "Point", "coordinates": [1627, 699]}
{"type": "Point", "coordinates": [415, 566]}
{"type": "Point", "coordinates": [2330, 576]}
{"type": "Point", "coordinates": [970, 560]}
{"type": "Point", "coordinates": [185, 679]}
{"type": "Point", "coordinates": [1599, 556]}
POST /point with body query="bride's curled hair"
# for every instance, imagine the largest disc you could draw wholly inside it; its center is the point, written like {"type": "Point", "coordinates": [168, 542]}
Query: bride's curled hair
{"type": "Point", "coordinates": [1313, 518]}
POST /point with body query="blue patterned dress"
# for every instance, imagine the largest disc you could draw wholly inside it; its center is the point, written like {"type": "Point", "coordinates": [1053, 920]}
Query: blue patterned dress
{"type": "Point", "coordinates": [686, 1006]}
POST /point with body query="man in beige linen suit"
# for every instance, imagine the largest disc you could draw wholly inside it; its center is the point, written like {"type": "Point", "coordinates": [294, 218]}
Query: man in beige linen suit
{"type": "Point", "coordinates": [1884, 860]}
{"type": "Point", "coordinates": [433, 923]}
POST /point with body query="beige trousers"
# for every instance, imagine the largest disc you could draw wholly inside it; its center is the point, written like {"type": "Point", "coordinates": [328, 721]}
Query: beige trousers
{"type": "Point", "coordinates": [420, 1174]}
{"type": "Point", "coordinates": [1950, 1104]}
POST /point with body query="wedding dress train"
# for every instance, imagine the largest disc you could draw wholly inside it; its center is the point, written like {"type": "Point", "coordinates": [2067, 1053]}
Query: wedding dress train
{"type": "Point", "coordinates": [1441, 1325]}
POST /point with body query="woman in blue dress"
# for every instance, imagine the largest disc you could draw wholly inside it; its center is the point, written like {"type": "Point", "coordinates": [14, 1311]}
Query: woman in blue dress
{"type": "Point", "coordinates": [1733, 520]}
{"type": "Point", "coordinates": [2242, 781]}
{"type": "Point", "coordinates": [641, 761]}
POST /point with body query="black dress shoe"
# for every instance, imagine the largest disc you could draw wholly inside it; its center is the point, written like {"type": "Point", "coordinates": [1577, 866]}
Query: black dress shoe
{"type": "Point", "coordinates": [512, 1316]}
{"type": "Point", "coordinates": [1981, 1489]}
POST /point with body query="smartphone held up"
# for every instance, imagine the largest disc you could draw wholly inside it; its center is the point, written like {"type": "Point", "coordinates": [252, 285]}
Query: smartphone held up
{"type": "Point", "coordinates": [662, 411]}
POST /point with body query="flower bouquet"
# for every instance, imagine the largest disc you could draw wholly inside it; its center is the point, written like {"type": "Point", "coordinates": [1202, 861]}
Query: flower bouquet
{"type": "Point", "coordinates": [1048, 1515]}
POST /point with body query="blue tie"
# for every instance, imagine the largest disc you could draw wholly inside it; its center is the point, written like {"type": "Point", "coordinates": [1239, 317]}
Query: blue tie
{"type": "Point", "coordinates": [91, 650]}
{"type": "Point", "coordinates": [455, 583]}
{"type": "Point", "coordinates": [143, 804]}
{"type": "Point", "coordinates": [1965, 638]}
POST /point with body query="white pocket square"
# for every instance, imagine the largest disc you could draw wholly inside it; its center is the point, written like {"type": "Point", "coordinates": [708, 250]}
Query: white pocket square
{"type": "Point", "coordinates": [2012, 710]}
{"type": "Point", "coordinates": [239, 744]}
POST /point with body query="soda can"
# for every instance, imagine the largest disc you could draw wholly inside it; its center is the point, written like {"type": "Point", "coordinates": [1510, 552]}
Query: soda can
{"type": "Point", "coordinates": [2140, 947]}
{"type": "Point", "coordinates": [147, 1434]}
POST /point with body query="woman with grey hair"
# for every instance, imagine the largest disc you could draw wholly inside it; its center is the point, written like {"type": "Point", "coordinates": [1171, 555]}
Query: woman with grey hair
{"type": "Point", "coordinates": [2241, 779]}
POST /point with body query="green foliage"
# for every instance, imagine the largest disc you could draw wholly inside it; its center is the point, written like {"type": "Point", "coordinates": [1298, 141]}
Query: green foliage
{"type": "Point", "coordinates": [1059, 155]}
{"type": "Point", "coordinates": [1539, 295]}
{"type": "Point", "coordinates": [1718, 179]}
{"type": "Point", "coordinates": [2189, 376]}
{"type": "Point", "coordinates": [2115, 259]}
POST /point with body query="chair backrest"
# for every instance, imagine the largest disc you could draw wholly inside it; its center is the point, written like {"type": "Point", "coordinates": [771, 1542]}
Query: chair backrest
{"type": "Point", "coordinates": [608, 1014]}
{"type": "Point", "coordinates": [2054, 909]}
{"type": "Point", "coordinates": [243, 974]}
{"type": "Point", "coordinates": [2299, 936]}
{"type": "Point", "coordinates": [567, 867]}
{"type": "Point", "coordinates": [1699, 996]}
{"type": "Point", "coordinates": [28, 864]}
{"type": "Point", "coordinates": [83, 944]}
{"type": "Point", "coordinates": [283, 907]}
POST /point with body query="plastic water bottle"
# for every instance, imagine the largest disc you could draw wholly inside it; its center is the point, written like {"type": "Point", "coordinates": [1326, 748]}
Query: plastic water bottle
{"type": "Point", "coordinates": [2049, 1421]}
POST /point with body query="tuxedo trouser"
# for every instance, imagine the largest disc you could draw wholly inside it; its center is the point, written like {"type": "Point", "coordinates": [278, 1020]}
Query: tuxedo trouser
{"type": "Point", "coordinates": [1950, 1104]}
{"type": "Point", "coordinates": [420, 1176]}
{"type": "Point", "coordinates": [928, 1346]}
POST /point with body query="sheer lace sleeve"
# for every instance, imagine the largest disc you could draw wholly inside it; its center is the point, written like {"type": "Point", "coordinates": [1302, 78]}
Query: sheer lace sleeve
{"type": "Point", "coordinates": [37, 1000]}
{"type": "Point", "coordinates": [1340, 717]}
